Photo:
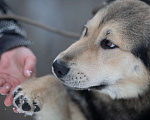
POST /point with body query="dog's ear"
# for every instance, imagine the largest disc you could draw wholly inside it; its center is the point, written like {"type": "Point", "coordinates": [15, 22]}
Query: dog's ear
{"type": "Point", "coordinates": [104, 3]}
{"type": "Point", "coordinates": [146, 1]}
{"type": "Point", "coordinates": [148, 51]}
{"type": "Point", "coordinates": [148, 57]}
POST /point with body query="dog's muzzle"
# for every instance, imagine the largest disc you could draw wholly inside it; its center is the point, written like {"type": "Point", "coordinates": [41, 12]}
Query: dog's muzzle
{"type": "Point", "coordinates": [60, 69]}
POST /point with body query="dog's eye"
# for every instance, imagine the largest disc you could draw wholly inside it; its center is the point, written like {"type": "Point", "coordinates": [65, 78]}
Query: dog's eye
{"type": "Point", "coordinates": [86, 30]}
{"type": "Point", "coordinates": [106, 44]}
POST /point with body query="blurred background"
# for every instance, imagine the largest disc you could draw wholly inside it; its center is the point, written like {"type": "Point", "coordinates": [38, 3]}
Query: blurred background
{"type": "Point", "coordinates": [70, 15]}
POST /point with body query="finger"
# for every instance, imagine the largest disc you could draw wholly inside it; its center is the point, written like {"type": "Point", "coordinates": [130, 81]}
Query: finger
{"type": "Point", "coordinates": [5, 89]}
{"type": "Point", "coordinates": [2, 82]}
{"type": "Point", "coordinates": [29, 67]}
{"type": "Point", "coordinates": [9, 99]}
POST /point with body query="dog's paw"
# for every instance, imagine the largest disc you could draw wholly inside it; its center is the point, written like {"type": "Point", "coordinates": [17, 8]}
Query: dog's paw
{"type": "Point", "coordinates": [27, 100]}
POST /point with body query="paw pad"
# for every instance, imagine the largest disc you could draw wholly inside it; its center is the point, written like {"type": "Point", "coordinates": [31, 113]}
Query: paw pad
{"type": "Point", "coordinates": [26, 106]}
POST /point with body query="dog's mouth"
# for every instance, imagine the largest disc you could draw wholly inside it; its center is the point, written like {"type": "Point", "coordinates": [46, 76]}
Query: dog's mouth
{"type": "Point", "coordinates": [99, 87]}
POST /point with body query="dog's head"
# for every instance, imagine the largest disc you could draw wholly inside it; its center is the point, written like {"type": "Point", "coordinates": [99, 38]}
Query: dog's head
{"type": "Point", "coordinates": [112, 53]}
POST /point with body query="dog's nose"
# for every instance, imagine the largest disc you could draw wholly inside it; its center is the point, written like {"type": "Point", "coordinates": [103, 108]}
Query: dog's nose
{"type": "Point", "coordinates": [60, 69]}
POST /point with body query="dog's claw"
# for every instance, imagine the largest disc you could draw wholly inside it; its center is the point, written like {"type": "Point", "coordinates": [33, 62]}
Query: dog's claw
{"type": "Point", "coordinates": [37, 108]}
{"type": "Point", "coordinates": [17, 101]}
{"type": "Point", "coordinates": [17, 91]}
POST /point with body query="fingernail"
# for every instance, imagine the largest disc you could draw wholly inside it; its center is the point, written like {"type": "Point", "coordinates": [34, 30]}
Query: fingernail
{"type": "Point", "coordinates": [29, 73]}
{"type": "Point", "coordinates": [7, 87]}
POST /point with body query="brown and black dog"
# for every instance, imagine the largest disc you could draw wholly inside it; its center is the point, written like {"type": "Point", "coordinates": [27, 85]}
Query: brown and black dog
{"type": "Point", "coordinates": [106, 73]}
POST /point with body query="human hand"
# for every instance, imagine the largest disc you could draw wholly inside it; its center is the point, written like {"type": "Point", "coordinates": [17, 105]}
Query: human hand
{"type": "Point", "coordinates": [16, 65]}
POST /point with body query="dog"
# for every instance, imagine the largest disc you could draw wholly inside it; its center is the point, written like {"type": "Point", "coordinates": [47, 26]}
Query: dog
{"type": "Point", "coordinates": [105, 75]}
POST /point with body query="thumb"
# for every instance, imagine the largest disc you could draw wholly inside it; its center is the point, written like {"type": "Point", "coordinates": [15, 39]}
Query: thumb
{"type": "Point", "coordinates": [9, 100]}
{"type": "Point", "coordinates": [29, 66]}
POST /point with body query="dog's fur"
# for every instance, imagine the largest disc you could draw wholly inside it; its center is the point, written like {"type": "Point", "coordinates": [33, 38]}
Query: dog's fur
{"type": "Point", "coordinates": [112, 77]}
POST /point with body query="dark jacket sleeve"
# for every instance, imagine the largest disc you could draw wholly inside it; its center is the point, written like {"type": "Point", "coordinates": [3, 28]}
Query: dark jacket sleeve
{"type": "Point", "coordinates": [11, 33]}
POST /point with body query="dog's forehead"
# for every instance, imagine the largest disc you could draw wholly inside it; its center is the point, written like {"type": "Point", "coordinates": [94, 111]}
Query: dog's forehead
{"type": "Point", "coordinates": [132, 16]}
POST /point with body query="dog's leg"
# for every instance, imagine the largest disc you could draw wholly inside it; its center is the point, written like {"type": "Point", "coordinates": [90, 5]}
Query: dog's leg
{"type": "Point", "coordinates": [47, 97]}
{"type": "Point", "coordinates": [60, 109]}
{"type": "Point", "coordinates": [45, 92]}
